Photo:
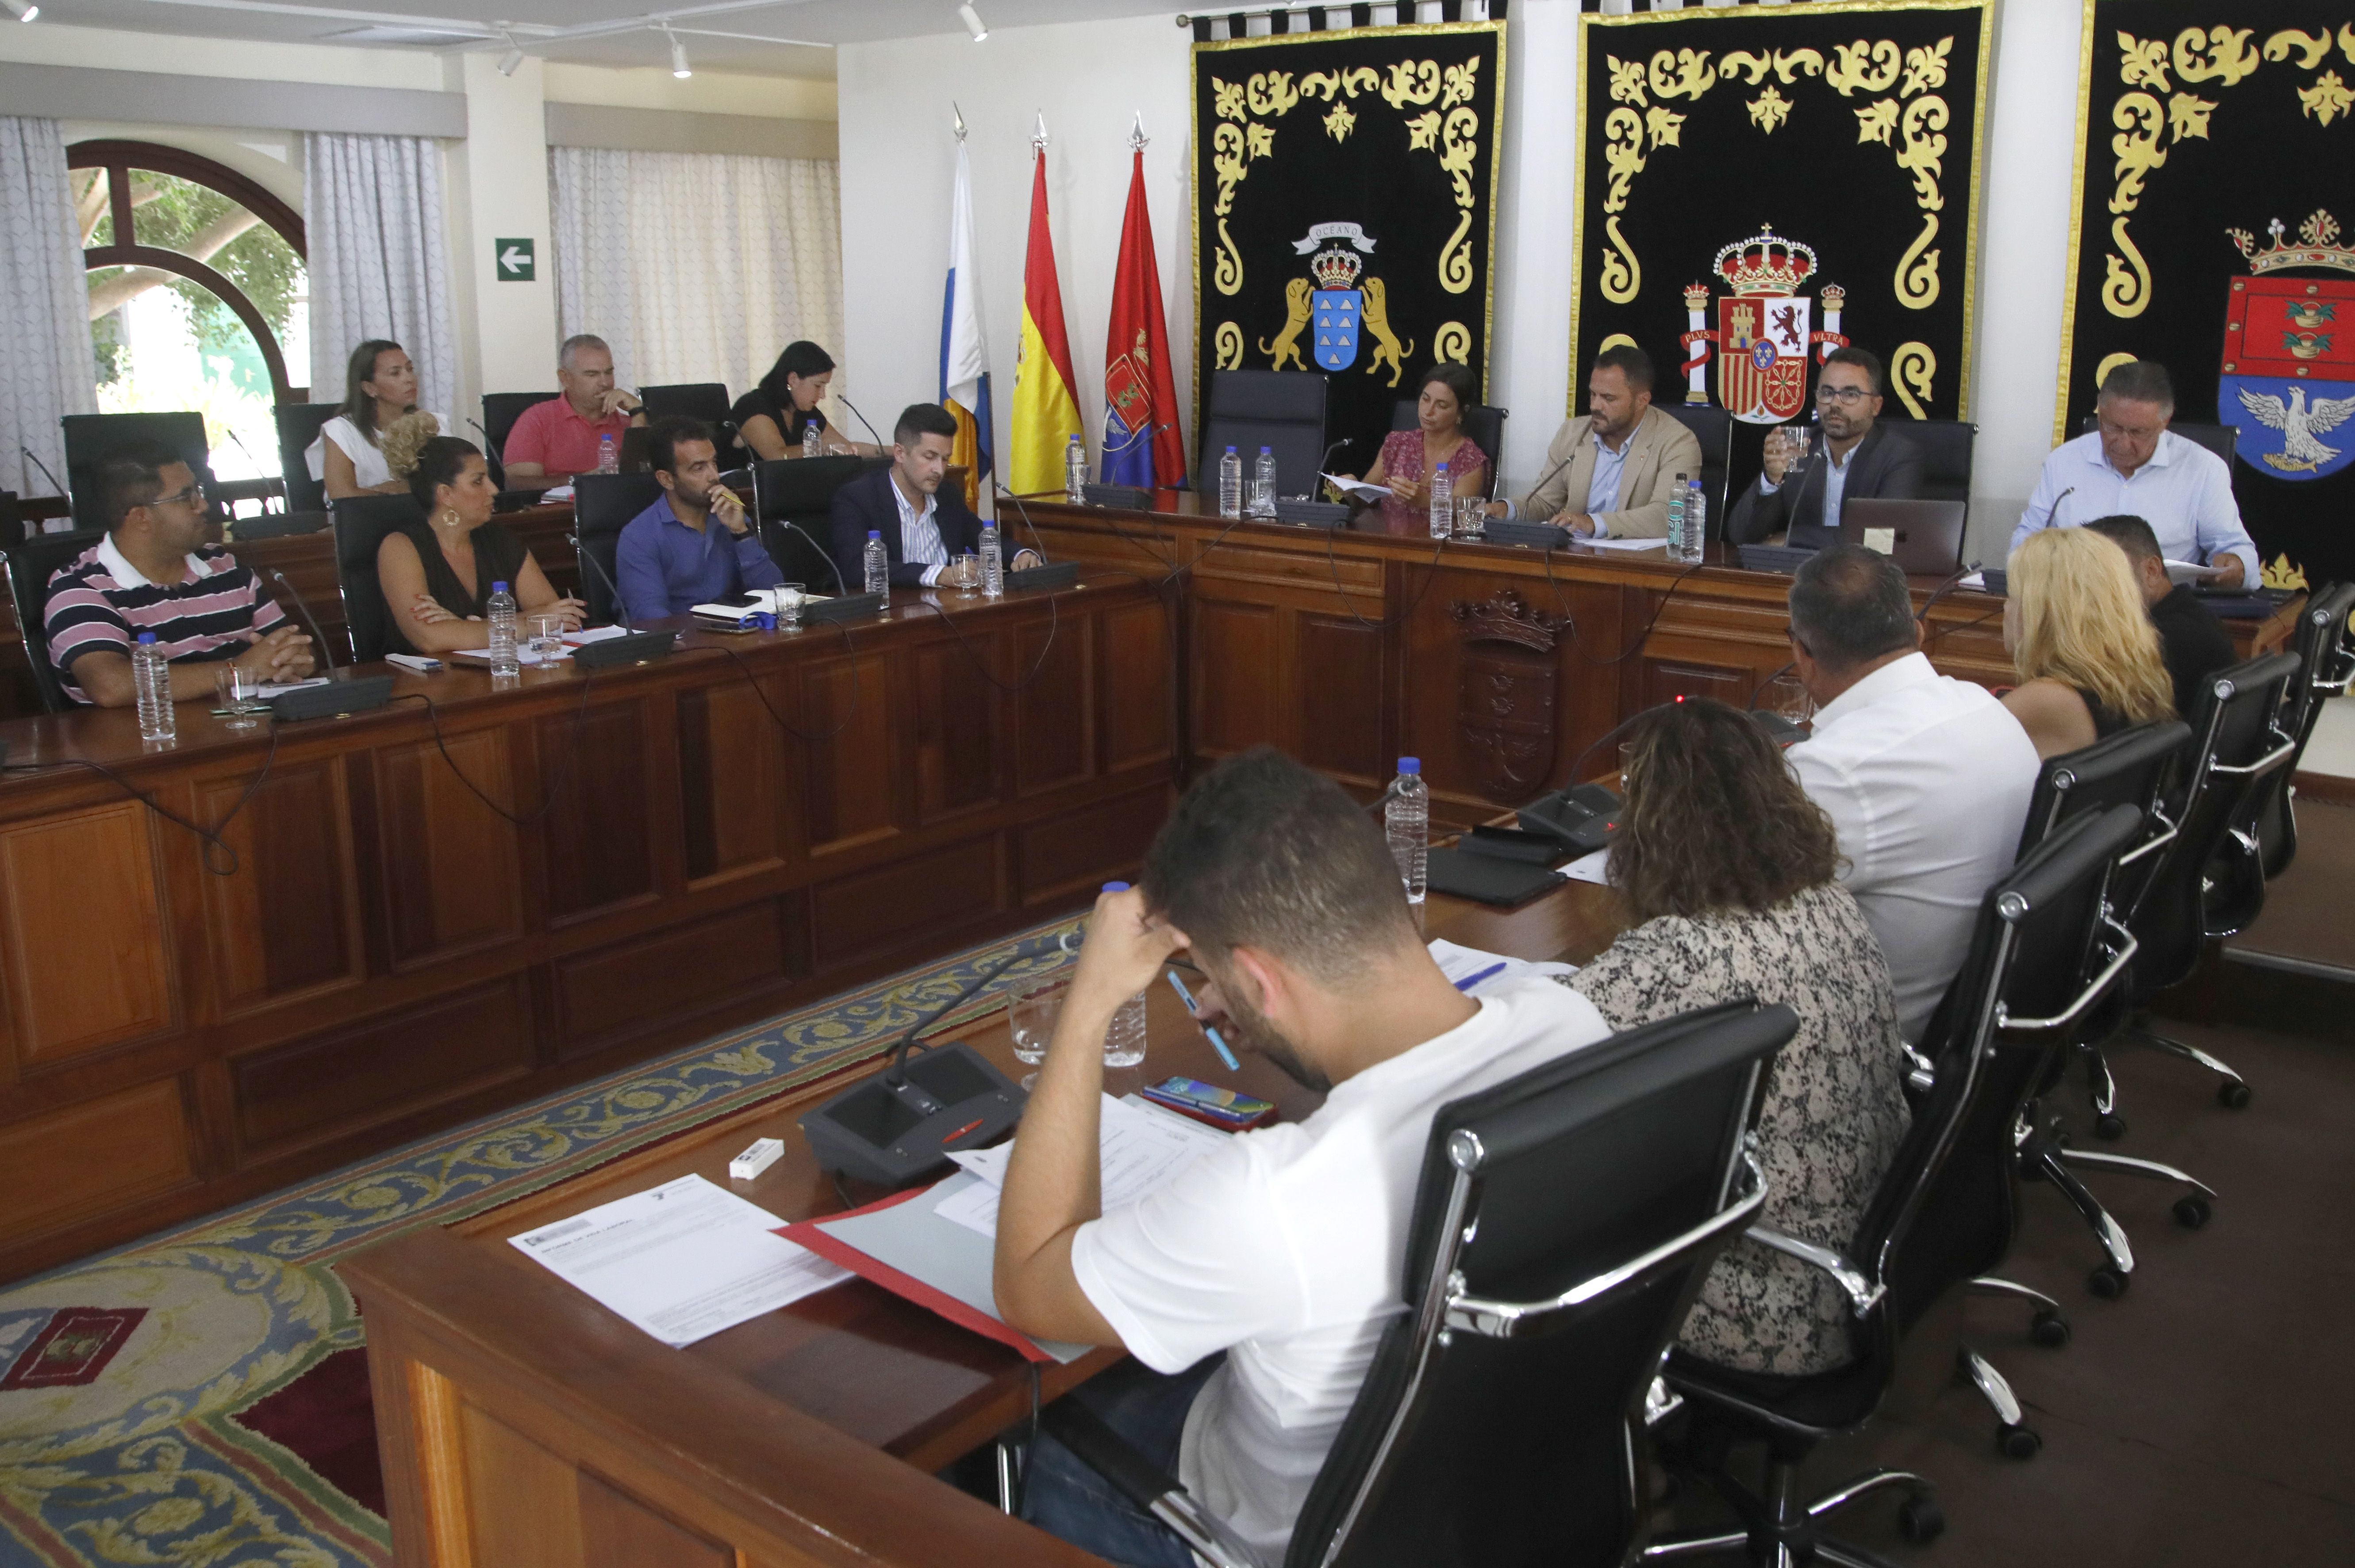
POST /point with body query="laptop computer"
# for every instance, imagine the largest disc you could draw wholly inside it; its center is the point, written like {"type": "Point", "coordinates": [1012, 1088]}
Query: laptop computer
{"type": "Point", "coordinates": [1926, 536]}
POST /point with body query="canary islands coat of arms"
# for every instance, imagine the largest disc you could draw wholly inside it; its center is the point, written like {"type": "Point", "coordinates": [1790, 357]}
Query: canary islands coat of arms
{"type": "Point", "coordinates": [1764, 332]}
{"type": "Point", "coordinates": [2289, 355]}
{"type": "Point", "coordinates": [1336, 311]}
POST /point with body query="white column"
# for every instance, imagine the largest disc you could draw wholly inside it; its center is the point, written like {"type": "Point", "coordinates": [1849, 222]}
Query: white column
{"type": "Point", "coordinates": [498, 190]}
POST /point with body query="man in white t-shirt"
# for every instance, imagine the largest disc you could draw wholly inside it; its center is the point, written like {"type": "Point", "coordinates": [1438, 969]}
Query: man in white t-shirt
{"type": "Point", "coordinates": [1282, 1249]}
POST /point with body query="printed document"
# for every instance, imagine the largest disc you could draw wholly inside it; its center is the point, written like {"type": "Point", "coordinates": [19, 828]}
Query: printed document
{"type": "Point", "coordinates": [1143, 1150]}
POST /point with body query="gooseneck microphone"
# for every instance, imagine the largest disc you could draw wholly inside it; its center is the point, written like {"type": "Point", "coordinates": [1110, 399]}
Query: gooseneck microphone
{"type": "Point", "coordinates": [863, 419]}
{"type": "Point", "coordinates": [326, 648]}
{"type": "Point", "coordinates": [37, 463]}
{"type": "Point", "coordinates": [621, 610]}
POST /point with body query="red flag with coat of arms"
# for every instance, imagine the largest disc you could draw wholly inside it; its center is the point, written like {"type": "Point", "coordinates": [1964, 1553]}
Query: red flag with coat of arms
{"type": "Point", "coordinates": [1141, 444]}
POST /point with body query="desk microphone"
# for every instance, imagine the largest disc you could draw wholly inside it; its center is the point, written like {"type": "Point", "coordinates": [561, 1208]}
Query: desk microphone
{"type": "Point", "coordinates": [37, 463]}
{"type": "Point", "coordinates": [863, 419]}
{"type": "Point", "coordinates": [621, 610]}
{"type": "Point", "coordinates": [840, 586]}
{"type": "Point", "coordinates": [1941, 591]}
{"type": "Point", "coordinates": [326, 648]}
{"type": "Point", "coordinates": [2049, 513]}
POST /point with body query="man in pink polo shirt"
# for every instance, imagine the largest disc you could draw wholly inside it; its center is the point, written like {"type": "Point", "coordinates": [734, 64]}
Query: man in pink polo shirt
{"type": "Point", "coordinates": [556, 440]}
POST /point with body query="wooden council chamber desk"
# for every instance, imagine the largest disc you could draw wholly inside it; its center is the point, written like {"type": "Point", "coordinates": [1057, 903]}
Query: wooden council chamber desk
{"type": "Point", "coordinates": [521, 1425]}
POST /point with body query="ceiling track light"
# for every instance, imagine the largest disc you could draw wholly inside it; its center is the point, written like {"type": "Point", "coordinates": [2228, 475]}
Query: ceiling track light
{"type": "Point", "coordinates": [512, 61]}
{"type": "Point", "coordinates": [972, 22]}
{"type": "Point", "coordinates": [678, 66]}
{"type": "Point", "coordinates": [24, 13]}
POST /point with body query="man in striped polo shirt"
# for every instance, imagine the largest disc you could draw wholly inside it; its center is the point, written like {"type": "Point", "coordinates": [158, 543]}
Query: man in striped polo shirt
{"type": "Point", "coordinates": [154, 572]}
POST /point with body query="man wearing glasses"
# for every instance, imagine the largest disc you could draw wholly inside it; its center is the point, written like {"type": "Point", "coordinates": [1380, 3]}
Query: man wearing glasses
{"type": "Point", "coordinates": [154, 572]}
{"type": "Point", "coordinates": [1797, 499]}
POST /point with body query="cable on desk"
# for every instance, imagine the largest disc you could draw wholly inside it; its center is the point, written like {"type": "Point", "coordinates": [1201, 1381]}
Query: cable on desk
{"type": "Point", "coordinates": [210, 838]}
{"type": "Point", "coordinates": [1431, 575]}
{"type": "Point", "coordinates": [1054, 624]}
{"type": "Point", "coordinates": [1641, 637]}
{"type": "Point", "coordinates": [753, 681]}
{"type": "Point", "coordinates": [563, 769]}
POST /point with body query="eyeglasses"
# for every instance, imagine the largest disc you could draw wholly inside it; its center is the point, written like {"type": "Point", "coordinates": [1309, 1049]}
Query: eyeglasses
{"type": "Point", "coordinates": [194, 495]}
{"type": "Point", "coordinates": [1848, 395]}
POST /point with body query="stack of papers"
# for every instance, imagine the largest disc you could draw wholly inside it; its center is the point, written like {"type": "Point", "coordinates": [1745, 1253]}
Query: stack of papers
{"type": "Point", "coordinates": [1142, 1148]}
{"type": "Point", "coordinates": [681, 1261]}
{"type": "Point", "coordinates": [1475, 973]}
{"type": "Point", "coordinates": [1623, 544]}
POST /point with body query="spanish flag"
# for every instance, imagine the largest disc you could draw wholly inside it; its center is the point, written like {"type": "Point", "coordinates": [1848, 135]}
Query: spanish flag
{"type": "Point", "coordinates": [1046, 407]}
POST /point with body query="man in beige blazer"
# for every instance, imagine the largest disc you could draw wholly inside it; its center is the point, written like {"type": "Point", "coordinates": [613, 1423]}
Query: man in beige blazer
{"type": "Point", "coordinates": [1608, 475]}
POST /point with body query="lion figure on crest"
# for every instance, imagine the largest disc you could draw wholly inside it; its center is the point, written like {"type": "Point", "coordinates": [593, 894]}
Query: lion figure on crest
{"type": "Point", "coordinates": [1374, 322]}
{"type": "Point", "coordinates": [1295, 321]}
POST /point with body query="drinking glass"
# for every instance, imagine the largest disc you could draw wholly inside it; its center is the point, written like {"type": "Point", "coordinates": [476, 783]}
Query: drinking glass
{"type": "Point", "coordinates": [790, 597]}
{"type": "Point", "coordinates": [545, 631]}
{"type": "Point", "coordinates": [241, 693]}
{"type": "Point", "coordinates": [1786, 696]}
{"type": "Point", "coordinates": [1469, 516]}
{"type": "Point", "coordinates": [1037, 1005]}
{"type": "Point", "coordinates": [1796, 439]}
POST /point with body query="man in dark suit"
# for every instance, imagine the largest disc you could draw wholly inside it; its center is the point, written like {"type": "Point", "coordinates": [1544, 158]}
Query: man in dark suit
{"type": "Point", "coordinates": [929, 534]}
{"type": "Point", "coordinates": [2191, 640]}
{"type": "Point", "coordinates": [1856, 457]}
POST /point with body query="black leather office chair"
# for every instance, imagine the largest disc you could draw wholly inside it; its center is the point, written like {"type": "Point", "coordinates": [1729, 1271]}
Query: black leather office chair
{"type": "Point", "coordinates": [1945, 446]}
{"type": "Point", "coordinates": [1562, 1229]}
{"type": "Point", "coordinates": [90, 437]}
{"type": "Point", "coordinates": [602, 506]}
{"type": "Point", "coordinates": [2326, 662]}
{"type": "Point", "coordinates": [2222, 439]}
{"type": "Point", "coordinates": [703, 400]}
{"type": "Point", "coordinates": [793, 499]}
{"type": "Point", "coordinates": [500, 412]}
{"type": "Point", "coordinates": [298, 426]}
{"type": "Point", "coordinates": [1713, 428]}
{"type": "Point", "coordinates": [30, 564]}
{"type": "Point", "coordinates": [361, 522]}
{"type": "Point", "coordinates": [2041, 958]}
{"type": "Point", "coordinates": [1280, 409]}
{"type": "Point", "coordinates": [1483, 422]}
{"type": "Point", "coordinates": [14, 524]}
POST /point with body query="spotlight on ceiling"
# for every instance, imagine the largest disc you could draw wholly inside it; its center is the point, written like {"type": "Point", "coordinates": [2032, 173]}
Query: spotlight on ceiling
{"type": "Point", "coordinates": [973, 23]}
{"type": "Point", "coordinates": [24, 13]}
{"type": "Point", "coordinates": [512, 61]}
{"type": "Point", "coordinates": [678, 66]}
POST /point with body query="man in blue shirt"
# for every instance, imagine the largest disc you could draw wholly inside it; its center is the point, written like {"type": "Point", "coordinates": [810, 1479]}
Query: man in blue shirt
{"type": "Point", "coordinates": [671, 558]}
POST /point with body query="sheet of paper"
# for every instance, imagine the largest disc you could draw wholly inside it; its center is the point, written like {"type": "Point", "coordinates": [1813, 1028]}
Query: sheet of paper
{"type": "Point", "coordinates": [2192, 572]}
{"type": "Point", "coordinates": [1485, 971]}
{"type": "Point", "coordinates": [1357, 488]}
{"type": "Point", "coordinates": [1142, 1148]}
{"type": "Point", "coordinates": [524, 656]}
{"type": "Point", "coordinates": [1976, 582]}
{"type": "Point", "coordinates": [681, 1261]}
{"type": "Point", "coordinates": [562, 493]}
{"type": "Point", "coordinates": [1589, 868]}
{"type": "Point", "coordinates": [278, 688]}
{"type": "Point", "coordinates": [1624, 544]}
{"type": "Point", "coordinates": [595, 634]}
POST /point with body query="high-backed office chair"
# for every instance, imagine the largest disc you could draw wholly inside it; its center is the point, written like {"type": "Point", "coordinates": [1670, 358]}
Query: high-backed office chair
{"type": "Point", "coordinates": [1483, 422]}
{"type": "Point", "coordinates": [298, 426]}
{"type": "Point", "coordinates": [500, 412]}
{"type": "Point", "coordinates": [1713, 428]}
{"type": "Point", "coordinates": [602, 506]}
{"type": "Point", "coordinates": [1280, 409]}
{"type": "Point", "coordinates": [90, 437]}
{"type": "Point", "coordinates": [792, 500]}
{"type": "Point", "coordinates": [703, 400]}
{"type": "Point", "coordinates": [31, 563]}
{"type": "Point", "coordinates": [1945, 446]}
{"type": "Point", "coordinates": [13, 523]}
{"type": "Point", "coordinates": [2222, 439]}
{"type": "Point", "coordinates": [2326, 662]}
{"type": "Point", "coordinates": [361, 522]}
{"type": "Point", "coordinates": [2042, 957]}
{"type": "Point", "coordinates": [1562, 1229]}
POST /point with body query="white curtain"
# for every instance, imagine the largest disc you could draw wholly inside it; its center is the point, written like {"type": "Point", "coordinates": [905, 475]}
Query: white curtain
{"type": "Point", "coordinates": [696, 267]}
{"type": "Point", "coordinates": [47, 368]}
{"type": "Point", "coordinates": [379, 260]}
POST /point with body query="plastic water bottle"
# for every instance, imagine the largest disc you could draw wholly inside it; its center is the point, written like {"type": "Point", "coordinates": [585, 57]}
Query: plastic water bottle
{"type": "Point", "coordinates": [151, 675]}
{"type": "Point", "coordinates": [1230, 485]}
{"type": "Point", "coordinates": [609, 460]}
{"type": "Point", "coordinates": [1443, 504]}
{"type": "Point", "coordinates": [813, 443]}
{"type": "Point", "coordinates": [879, 565]}
{"type": "Point", "coordinates": [993, 563]}
{"type": "Point", "coordinates": [1407, 822]}
{"type": "Point", "coordinates": [1075, 472]}
{"type": "Point", "coordinates": [501, 608]}
{"type": "Point", "coordinates": [1263, 484]}
{"type": "Point", "coordinates": [1678, 495]}
{"type": "Point", "coordinates": [1124, 1037]}
{"type": "Point", "coordinates": [1688, 548]}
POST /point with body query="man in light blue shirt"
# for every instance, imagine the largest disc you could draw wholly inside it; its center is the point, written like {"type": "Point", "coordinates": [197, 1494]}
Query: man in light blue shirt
{"type": "Point", "coordinates": [2133, 463]}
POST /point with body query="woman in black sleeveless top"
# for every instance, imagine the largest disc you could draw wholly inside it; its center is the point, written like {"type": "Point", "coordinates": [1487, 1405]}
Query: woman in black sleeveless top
{"type": "Point", "coordinates": [772, 417]}
{"type": "Point", "coordinates": [2087, 654]}
{"type": "Point", "coordinates": [437, 573]}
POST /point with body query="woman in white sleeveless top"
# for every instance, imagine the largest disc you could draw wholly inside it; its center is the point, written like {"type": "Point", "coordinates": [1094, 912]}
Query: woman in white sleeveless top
{"type": "Point", "coordinates": [380, 386]}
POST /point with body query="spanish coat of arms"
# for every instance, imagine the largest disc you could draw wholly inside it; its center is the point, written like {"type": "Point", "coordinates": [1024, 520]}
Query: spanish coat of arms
{"type": "Point", "coordinates": [1764, 332]}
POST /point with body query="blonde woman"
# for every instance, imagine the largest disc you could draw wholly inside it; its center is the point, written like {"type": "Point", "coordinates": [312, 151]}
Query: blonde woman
{"type": "Point", "coordinates": [2087, 654]}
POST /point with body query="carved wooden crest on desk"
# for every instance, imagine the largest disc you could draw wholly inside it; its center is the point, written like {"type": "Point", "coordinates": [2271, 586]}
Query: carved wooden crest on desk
{"type": "Point", "coordinates": [1505, 713]}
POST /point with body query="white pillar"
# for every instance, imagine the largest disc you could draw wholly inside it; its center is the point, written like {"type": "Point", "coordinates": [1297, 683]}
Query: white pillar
{"type": "Point", "coordinates": [498, 190]}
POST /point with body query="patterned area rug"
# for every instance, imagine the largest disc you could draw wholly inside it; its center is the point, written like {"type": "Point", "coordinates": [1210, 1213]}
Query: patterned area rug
{"type": "Point", "coordinates": [201, 1398]}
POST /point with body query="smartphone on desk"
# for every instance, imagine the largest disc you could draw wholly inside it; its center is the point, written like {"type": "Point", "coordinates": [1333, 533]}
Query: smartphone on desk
{"type": "Point", "coordinates": [1207, 1103]}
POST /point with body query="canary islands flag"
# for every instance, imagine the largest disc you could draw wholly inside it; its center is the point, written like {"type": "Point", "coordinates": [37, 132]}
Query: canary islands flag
{"type": "Point", "coordinates": [964, 353]}
{"type": "Point", "coordinates": [1046, 407]}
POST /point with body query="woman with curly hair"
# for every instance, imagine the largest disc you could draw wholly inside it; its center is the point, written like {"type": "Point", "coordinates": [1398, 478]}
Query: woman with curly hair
{"type": "Point", "coordinates": [1728, 873]}
{"type": "Point", "coordinates": [2088, 656]}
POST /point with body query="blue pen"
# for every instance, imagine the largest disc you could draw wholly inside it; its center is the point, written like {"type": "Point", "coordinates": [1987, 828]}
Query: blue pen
{"type": "Point", "coordinates": [1468, 981]}
{"type": "Point", "coordinates": [1218, 1040]}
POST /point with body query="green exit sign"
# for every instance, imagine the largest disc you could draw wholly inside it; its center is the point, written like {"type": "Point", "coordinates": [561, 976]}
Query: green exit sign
{"type": "Point", "coordinates": [514, 259]}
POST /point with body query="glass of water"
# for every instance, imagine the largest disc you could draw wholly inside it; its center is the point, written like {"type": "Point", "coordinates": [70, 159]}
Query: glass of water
{"type": "Point", "coordinates": [241, 696]}
{"type": "Point", "coordinates": [1037, 1004]}
{"type": "Point", "coordinates": [1786, 696]}
{"type": "Point", "coordinates": [547, 637]}
{"type": "Point", "coordinates": [1470, 515]}
{"type": "Point", "coordinates": [789, 606]}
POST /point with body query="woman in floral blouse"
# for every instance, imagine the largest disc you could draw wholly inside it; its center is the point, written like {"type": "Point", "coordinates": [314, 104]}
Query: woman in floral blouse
{"type": "Point", "coordinates": [1408, 458]}
{"type": "Point", "coordinates": [1730, 874]}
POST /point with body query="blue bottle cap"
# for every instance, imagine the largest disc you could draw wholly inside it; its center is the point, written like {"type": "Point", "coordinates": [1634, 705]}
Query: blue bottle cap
{"type": "Point", "coordinates": [1116, 887]}
{"type": "Point", "coordinates": [1443, 468]}
{"type": "Point", "coordinates": [1411, 764]}
{"type": "Point", "coordinates": [498, 587]}
{"type": "Point", "coordinates": [875, 533]}
{"type": "Point", "coordinates": [1231, 451]}
{"type": "Point", "coordinates": [145, 638]}
{"type": "Point", "coordinates": [1264, 450]}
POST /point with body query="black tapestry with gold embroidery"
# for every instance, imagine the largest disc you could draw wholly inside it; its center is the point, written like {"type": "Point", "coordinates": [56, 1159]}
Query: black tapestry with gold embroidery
{"type": "Point", "coordinates": [1758, 186]}
{"type": "Point", "coordinates": [2213, 189]}
{"type": "Point", "coordinates": [1344, 204]}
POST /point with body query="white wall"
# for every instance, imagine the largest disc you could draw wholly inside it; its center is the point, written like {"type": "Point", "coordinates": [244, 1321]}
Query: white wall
{"type": "Point", "coordinates": [497, 188]}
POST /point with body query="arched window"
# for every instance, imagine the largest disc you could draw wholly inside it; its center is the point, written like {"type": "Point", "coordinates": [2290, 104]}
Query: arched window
{"type": "Point", "coordinates": [198, 290]}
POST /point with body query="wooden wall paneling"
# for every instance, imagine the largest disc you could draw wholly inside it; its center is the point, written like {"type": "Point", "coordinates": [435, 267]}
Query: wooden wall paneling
{"type": "Point", "coordinates": [1057, 722]}
{"type": "Point", "coordinates": [347, 1079]}
{"type": "Point", "coordinates": [286, 924]}
{"type": "Point", "coordinates": [1721, 646]}
{"type": "Point", "coordinates": [448, 864]}
{"type": "Point", "coordinates": [95, 969]}
{"type": "Point", "coordinates": [957, 886]}
{"type": "Point", "coordinates": [957, 701]}
{"type": "Point", "coordinates": [595, 767]}
{"type": "Point", "coordinates": [632, 987]}
{"type": "Point", "coordinates": [1062, 860]}
{"type": "Point", "coordinates": [523, 1502]}
{"type": "Point", "coordinates": [623, 1531]}
{"type": "Point", "coordinates": [731, 779]}
{"type": "Point", "coordinates": [1341, 723]}
{"type": "Point", "coordinates": [848, 774]}
{"type": "Point", "coordinates": [103, 1155]}
{"type": "Point", "coordinates": [1137, 682]}
{"type": "Point", "coordinates": [1239, 670]}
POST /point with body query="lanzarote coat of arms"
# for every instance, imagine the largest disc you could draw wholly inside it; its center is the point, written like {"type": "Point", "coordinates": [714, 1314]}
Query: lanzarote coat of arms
{"type": "Point", "coordinates": [2289, 351]}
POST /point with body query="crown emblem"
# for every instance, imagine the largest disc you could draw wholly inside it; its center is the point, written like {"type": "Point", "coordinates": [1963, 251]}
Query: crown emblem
{"type": "Point", "coordinates": [1766, 263]}
{"type": "Point", "coordinates": [1336, 268]}
{"type": "Point", "coordinates": [2318, 245]}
